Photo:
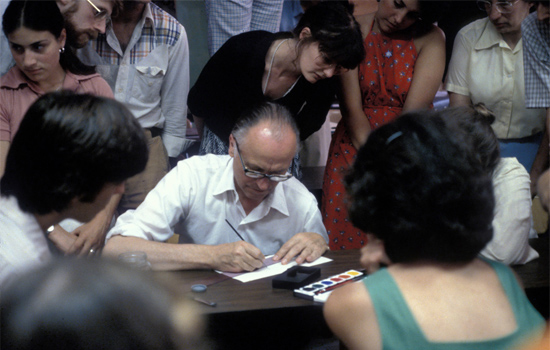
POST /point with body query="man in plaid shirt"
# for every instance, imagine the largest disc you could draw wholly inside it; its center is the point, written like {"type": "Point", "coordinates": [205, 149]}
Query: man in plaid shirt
{"type": "Point", "coordinates": [144, 56]}
{"type": "Point", "coordinates": [535, 30]}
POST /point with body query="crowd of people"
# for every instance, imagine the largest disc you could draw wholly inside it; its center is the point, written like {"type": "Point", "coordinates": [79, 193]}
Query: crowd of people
{"type": "Point", "coordinates": [95, 101]}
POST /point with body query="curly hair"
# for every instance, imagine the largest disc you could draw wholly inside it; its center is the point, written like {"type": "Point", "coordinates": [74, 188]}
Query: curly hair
{"type": "Point", "coordinates": [416, 186]}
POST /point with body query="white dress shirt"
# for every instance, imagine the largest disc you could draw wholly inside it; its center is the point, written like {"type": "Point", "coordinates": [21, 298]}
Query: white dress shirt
{"type": "Point", "coordinates": [198, 195]}
{"type": "Point", "coordinates": [513, 219]}
{"type": "Point", "coordinates": [23, 244]}
{"type": "Point", "coordinates": [484, 68]}
{"type": "Point", "coordinates": [151, 77]}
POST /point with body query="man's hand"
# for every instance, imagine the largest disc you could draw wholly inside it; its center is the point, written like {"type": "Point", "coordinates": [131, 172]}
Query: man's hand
{"type": "Point", "coordinates": [90, 236]}
{"type": "Point", "coordinates": [236, 257]}
{"type": "Point", "coordinates": [62, 239]}
{"type": "Point", "coordinates": [305, 246]}
{"type": "Point", "coordinates": [373, 254]}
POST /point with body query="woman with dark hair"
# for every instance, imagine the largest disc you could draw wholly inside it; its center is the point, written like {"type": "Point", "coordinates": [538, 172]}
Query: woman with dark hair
{"type": "Point", "coordinates": [294, 69]}
{"type": "Point", "coordinates": [417, 187]}
{"type": "Point", "coordinates": [402, 71]}
{"type": "Point", "coordinates": [36, 34]}
{"type": "Point", "coordinates": [513, 217]}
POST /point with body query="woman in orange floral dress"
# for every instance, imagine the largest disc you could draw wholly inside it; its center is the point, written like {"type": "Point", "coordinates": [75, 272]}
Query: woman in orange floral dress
{"type": "Point", "coordinates": [402, 71]}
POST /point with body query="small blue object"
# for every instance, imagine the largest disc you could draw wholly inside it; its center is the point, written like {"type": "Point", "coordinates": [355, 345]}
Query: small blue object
{"type": "Point", "coordinates": [198, 288]}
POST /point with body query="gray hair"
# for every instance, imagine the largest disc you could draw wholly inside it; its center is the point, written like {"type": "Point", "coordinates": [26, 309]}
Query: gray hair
{"type": "Point", "coordinates": [277, 116]}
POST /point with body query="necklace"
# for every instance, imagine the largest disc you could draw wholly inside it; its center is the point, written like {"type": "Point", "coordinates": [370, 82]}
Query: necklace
{"type": "Point", "coordinates": [271, 66]}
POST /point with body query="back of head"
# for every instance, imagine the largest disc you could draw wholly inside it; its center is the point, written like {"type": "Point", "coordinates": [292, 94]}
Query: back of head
{"type": "Point", "coordinates": [78, 304]}
{"type": "Point", "coordinates": [476, 122]}
{"type": "Point", "coordinates": [278, 117]}
{"type": "Point", "coordinates": [333, 26]}
{"type": "Point", "coordinates": [69, 146]}
{"type": "Point", "coordinates": [416, 186]}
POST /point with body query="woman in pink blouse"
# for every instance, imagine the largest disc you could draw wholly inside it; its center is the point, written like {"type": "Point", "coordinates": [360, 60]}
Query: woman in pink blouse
{"type": "Point", "coordinates": [36, 34]}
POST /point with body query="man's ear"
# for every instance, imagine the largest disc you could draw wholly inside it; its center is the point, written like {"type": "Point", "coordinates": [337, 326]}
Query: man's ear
{"type": "Point", "coordinates": [231, 145]}
{"type": "Point", "coordinates": [305, 33]}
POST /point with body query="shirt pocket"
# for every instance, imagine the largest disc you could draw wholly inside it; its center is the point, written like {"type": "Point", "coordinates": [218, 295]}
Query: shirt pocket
{"type": "Point", "coordinates": [147, 83]}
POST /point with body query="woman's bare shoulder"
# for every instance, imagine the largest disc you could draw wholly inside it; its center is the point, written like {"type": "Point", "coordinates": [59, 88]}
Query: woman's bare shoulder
{"type": "Point", "coordinates": [365, 21]}
{"type": "Point", "coordinates": [433, 38]}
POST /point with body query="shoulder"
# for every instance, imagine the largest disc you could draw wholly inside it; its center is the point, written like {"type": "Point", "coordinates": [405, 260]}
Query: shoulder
{"type": "Point", "coordinates": [166, 27]}
{"type": "Point", "coordinates": [296, 188]}
{"type": "Point", "coordinates": [350, 314]}
{"type": "Point", "coordinates": [434, 38]}
{"type": "Point", "coordinates": [12, 79]}
{"type": "Point", "coordinates": [365, 22]}
{"type": "Point", "coordinates": [509, 167]}
{"type": "Point", "coordinates": [473, 30]}
{"type": "Point", "coordinates": [205, 162]}
{"type": "Point", "coordinates": [92, 83]}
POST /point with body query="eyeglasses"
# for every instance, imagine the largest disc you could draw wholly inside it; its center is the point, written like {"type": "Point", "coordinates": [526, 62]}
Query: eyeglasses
{"type": "Point", "coordinates": [257, 175]}
{"type": "Point", "coordinates": [100, 14]}
{"type": "Point", "coordinates": [502, 6]}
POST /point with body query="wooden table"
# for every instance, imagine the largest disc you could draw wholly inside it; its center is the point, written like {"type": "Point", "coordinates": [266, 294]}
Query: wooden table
{"type": "Point", "coordinates": [253, 315]}
{"type": "Point", "coordinates": [233, 296]}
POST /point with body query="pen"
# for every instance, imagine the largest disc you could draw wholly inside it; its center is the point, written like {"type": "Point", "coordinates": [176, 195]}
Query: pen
{"type": "Point", "coordinates": [241, 237]}
{"type": "Point", "coordinates": [209, 303]}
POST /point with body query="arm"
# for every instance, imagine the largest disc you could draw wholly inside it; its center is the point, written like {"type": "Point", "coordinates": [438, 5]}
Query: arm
{"type": "Point", "coordinates": [92, 234]}
{"type": "Point", "coordinates": [356, 122]}
{"type": "Point", "coordinates": [4, 148]}
{"type": "Point", "coordinates": [457, 79]}
{"type": "Point", "coordinates": [173, 97]}
{"type": "Point", "coordinates": [513, 215]}
{"type": "Point", "coordinates": [542, 158]}
{"type": "Point", "coordinates": [373, 254]}
{"type": "Point", "coordinates": [350, 315]}
{"type": "Point", "coordinates": [428, 70]}
{"type": "Point", "coordinates": [309, 244]}
{"type": "Point", "coordinates": [233, 257]}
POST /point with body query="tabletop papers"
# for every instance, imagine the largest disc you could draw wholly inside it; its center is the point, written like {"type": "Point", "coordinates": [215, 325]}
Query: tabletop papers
{"type": "Point", "coordinates": [271, 268]}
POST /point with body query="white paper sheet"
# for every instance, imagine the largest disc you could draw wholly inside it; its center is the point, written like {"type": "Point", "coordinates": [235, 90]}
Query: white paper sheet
{"type": "Point", "coordinates": [272, 268]}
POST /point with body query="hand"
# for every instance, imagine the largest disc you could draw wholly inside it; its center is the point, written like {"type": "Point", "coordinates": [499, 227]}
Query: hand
{"type": "Point", "coordinates": [305, 246]}
{"type": "Point", "coordinates": [373, 254]}
{"type": "Point", "coordinates": [88, 236]}
{"type": "Point", "coordinates": [236, 257]}
{"type": "Point", "coordinates": [62, 239]}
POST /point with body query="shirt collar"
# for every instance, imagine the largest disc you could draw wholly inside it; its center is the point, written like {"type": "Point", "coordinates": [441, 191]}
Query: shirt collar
{"type": "Point", "coordinates": [275, 200]}
{"type": "Point", "coordinates": [491, 37]}
{"type": "Point", "coordinates": [18, 79]}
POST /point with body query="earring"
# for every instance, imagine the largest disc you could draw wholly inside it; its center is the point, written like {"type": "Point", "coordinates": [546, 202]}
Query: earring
{"type": "Point", "coordinates": [61, 50]}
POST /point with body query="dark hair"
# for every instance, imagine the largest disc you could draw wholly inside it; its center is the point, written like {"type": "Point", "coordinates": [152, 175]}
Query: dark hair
{"type": "Point", "coordinates": [42, 15]}
{"type": "Point", "coordinates": [416, 186]}
{"type": "Point", "coordinates": [476, 122]}
{"type": "Point", "coordinates": [430, 12]}
{"type": "Point", "coordinates": [333, 26]}
{"type": "Point", "coordinates": [277, 115]}
{"type": "Point", "coordinates": [69, 146]}
{"type": "Point", "coordinates": [81, 304]}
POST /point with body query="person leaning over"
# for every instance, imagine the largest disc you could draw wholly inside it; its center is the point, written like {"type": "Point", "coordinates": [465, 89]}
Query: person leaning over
{"type": "Point", "coordinates": [71, 154]}
{"type": "Point", "coordinates": [250, 188]}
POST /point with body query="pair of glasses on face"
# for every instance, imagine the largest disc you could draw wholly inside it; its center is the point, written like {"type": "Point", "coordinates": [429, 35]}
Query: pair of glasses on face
{"type": "Point", "coordinates": [100, 14]}
{"type": "Point", "coordinates": [502, 6]}
{"type": "Point", "coordinates": [257, 175]}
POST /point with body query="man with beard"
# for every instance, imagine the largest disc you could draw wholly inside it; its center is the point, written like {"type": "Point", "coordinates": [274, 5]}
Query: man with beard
{"type": "Point", "coordinates": [84, 20]}
{"type": "Point", "coordinates": [144, 56]}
